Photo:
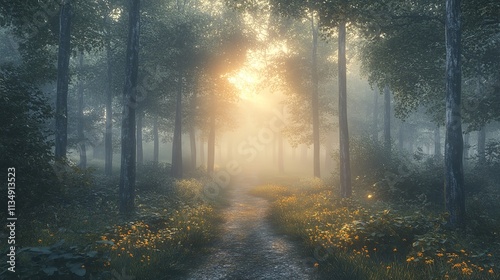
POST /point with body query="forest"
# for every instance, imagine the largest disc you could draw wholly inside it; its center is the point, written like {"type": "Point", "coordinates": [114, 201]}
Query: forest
{"type": "Point", "coordinates": [250, 139]}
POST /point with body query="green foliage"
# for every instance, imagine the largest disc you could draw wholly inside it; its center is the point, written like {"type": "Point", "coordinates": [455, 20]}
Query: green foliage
{"type": "Point", "coordinates": [154, 176]}
{"type": "Point", "coordinates": [70, 176]}
{"type": "Point", "coordinates": [58, 261]}
{"type": "Point", "coordinates": [368, 157]}
{"type": "Point", "coordinates": [159, 240]}
{"type": "Point", "coordinates": [395, 177]}
{"type": "Point", "coordinates": [484, 215]}
{"type": "Point", "coordinates": [23, 142]}
{"type": "Point", "coordinates": [489, 168]}
{"type": "Point", "coordinates": [363, 239]}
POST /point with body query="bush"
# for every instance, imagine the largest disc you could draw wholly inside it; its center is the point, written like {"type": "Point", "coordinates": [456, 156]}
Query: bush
{"type": "Point", "coordinates": [345, 235]}
{"type": "Point", "coordinates": [24, 143]}
{"type": "Point", "coordinates": [154, 176]}
{"type": "Point", "coordinates": [395, 177]}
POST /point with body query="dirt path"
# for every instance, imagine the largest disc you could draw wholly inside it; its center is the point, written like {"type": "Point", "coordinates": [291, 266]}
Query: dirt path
{"type": "Point", "coordinates": [249, 248]}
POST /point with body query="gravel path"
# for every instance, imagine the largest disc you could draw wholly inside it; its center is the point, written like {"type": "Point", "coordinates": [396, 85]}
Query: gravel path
{"type": "Point", "coordinates": [248, 247]}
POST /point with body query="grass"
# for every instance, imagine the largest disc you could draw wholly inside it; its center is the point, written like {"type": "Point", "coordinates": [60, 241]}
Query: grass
{"type": "Point", "coordinates": [359, 238]}
{"type": "Point", "coordinates": [79, 232]}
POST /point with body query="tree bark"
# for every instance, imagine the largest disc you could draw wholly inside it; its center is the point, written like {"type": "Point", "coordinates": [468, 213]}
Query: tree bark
{"type": "Point", "coordinates": [211, 147]}
{"type": "Point", "coordinates": [156, 140]}
{"type": "Point", "coordinates": [314, 102]}
{"type": "Point", "coordinates": [454, 177]}
{"type": "Point", "coordinates": [80, 128]}
{"type": "Point", "coordinates": [177, 141]}
{"type": "Point", "coordinates": [481, 145]}
{"type": "Point", "coordinates": [140, 152]}
{"type": "Point", "coordinates": [192, 139]}
{"type": "Point", "coordinates": [281, 165]}
{"type": "Point", "coordinates": [64, 53]}
{"type": "Point", "coordinates": [108, 136]}
{"type": "Point", "coordinates": [202, 151]}
{"type": "Point", "coordinates": [437, 143]}
{"type": "Point", "coordinates": [128, 154]}
{"type": "Point", "coordinates": [387, 120]}
{"type": "Point", "coordinates": [375, 116]}
{"type": "Point", "coordinates": [345, 168]}
{"type": "Point", "coordinates": [401, 135]}
{"type": "Point", "coordinates": [466, 146]}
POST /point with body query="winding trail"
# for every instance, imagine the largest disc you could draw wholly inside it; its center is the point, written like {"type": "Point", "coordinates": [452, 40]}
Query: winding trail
{"type": "Point", "coordinates": [249, 248]}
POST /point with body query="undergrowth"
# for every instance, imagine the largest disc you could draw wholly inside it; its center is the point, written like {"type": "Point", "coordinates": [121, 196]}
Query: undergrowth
{"type": "Point", "coordinates": [362, 238]}
{"type": "Point", "coordinates": [79, 234]}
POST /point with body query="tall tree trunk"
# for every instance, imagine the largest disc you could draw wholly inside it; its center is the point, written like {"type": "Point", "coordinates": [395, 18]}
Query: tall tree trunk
{"type": "Point", "coordinates": [481, 145]}
{"type": "Point", "coordinates": [387, 120]}
{"type": "Point", "coordinates": [80, 128]}
{"type": "Point", "coordinates": [202, 151]}
{"type": "Point", "coordinates": [192, 131]}
{"type": "Point", "coordinates": [345, 166]}
{"type": "Point", "coordinates": [401, 135]}
{"type": "Point", "coordinates": [328, 154]}
{"type": "Point", "coordinates": [140, 152]}
{"type": "Point", "coordinates": [127, 169]}
{"type": "Point", "coordinates": [219, 152]}
{"type": "Point", "coordinates": [281, 165]}
{"type": "Point", "coordinates": [411, 142]}
{"type": "Point", "coordinates": [64, 53]}
{"type": "Point", "coordinates": [108, 143]}
{"type": "Point", "coordinates": [156, 140]}
{"type": "Point", "coordinates": [375, 116]}
{"type": "Point", "coordinates": [437, 143]}
{"type": "Point", "coordinates": [454, 174]}
{"type": "Point", "coordinates": [314, 102]}
{"type": "Point", "coordinates": [177, 141]}
{"type": "Point", "coordinates": [192, 139]}
{"type": "Point", "coordinates": [211, 147]}
{"type": "Point", "coordinates": [466, 146]}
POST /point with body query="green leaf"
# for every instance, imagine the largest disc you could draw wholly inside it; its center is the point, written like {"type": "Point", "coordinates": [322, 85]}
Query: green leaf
{"type": "Point", "coordinates": [92, 254]}
{"type": "Point", "coordinates": [77, 268]}
{"type": "Point", "coordinates": [41, 250]}
{"type": "Point", "coordinates": [50, 270]}
{"type": "Point", "coordinates": [108, 242]}
{"type": "Point", "coordinates": [58, 244]}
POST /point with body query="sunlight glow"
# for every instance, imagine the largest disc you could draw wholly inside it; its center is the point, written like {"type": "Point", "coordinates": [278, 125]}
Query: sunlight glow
{"type": "Point", "coordinates": [246, 82]}
{"type": "Point", "coordinates": [251, 78]}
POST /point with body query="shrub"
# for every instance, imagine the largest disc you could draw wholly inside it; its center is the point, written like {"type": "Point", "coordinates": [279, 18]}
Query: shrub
{"type": "Point", "coordinates": [387, 243]}
{"type": "Point", "coordinates": [24, 143]}
{"type": "Point", "coordinates": [154, 176]}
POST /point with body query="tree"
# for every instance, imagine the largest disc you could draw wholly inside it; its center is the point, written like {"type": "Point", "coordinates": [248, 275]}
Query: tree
{"type": "Point", "coordinates": [108, 134]}
{"type": "Point", "coordinates": [454, 177]}
{"type": "Point", "coordinates": [128, 160]}
{"type": "Point", "coordinates": [387, 120]}
{"type": "Point", "coordinates": [177, 141]}
{"type": "Point", "coordinates": [314, 97]}
{"type": "Point", "coordinates": [80, 127]}
{"type": "Point", "coordinates": [24, 141]}
{"type": "Point", "coordinates": [437, 143]}
{"type": "Point", "coordinates": [345, 165]}
{"type": "Point", "coordinates": [375, 116]}
{"type": "Point", "coordinates": [63, 56]}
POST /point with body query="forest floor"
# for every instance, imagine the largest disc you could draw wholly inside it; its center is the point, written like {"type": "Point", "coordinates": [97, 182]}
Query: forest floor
{"type": "Point", "coordinates": [249, 247]}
